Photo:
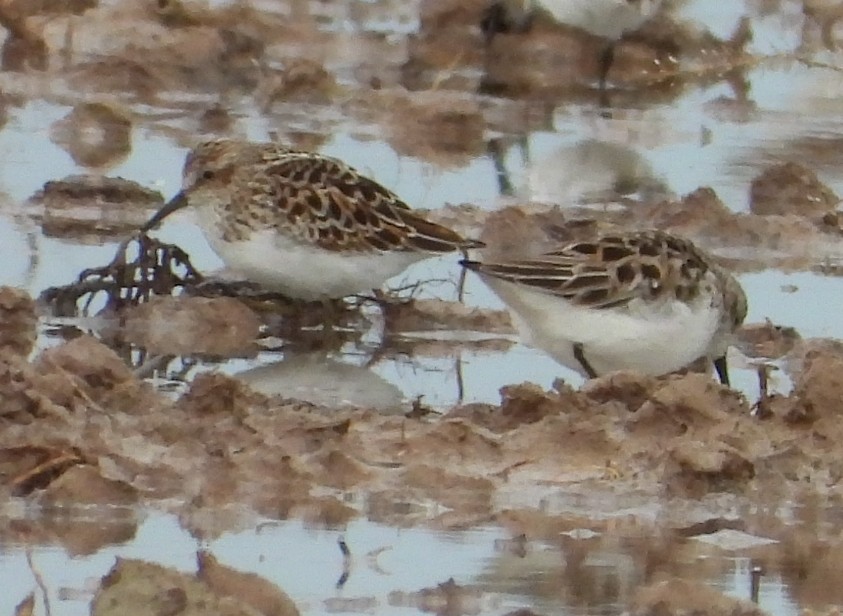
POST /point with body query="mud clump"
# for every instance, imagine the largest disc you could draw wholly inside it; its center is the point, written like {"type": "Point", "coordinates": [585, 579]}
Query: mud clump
{"type": "Point", "coordinates": [77, 190]}
{"type": "Point", "coordinates": [142, 588]}
{"type": "Point", "coordinates": [18, 322]}
{"type": "Point", "coordinates": [94, 134]}
{"type": "Point", "coordinates": [433, 314]}
{"type": "Point", "coordinates": [84, 485]}
{"type": "Point", "coordinates": [514, 232]}
{"type": "Point", "coordinates": [216, 394]}
{"type": "Point", "coordinates": [767, 340]}
{"type": "Point", "coordinates": [222, 327]}
{"type": "Point", "coordinates": [445, 598]}
{"type": "Point", "coordinates": [247, 588]}
{"type": "Point", "coordinates": [790, 188]}
{"type": "Point", "coordinates": [445, 129]}
{"type": "Point", "coordinates": [819, 388]}
{"type": "Point", "coordinates": [94, 208]}
{"type": "Point", "coordinates": [674, 597]}
{"type": "Point", "coordinates": [696, 468]}
{"type": "Point", "coordinates": [86, 372]}
{"type": "Point", "coordinates": [528, 403]}
{"type": "Point", "coordinates": [303, 80]}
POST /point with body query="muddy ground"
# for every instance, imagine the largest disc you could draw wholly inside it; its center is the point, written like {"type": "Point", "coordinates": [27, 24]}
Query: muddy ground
{"type": "Point", "coordinates": [82, 424]}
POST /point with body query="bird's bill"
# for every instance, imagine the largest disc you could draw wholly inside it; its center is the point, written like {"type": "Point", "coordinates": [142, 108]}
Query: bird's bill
{"type": "Point", "coordinates": [176, 203]}
{"type": "Point", "coordinates": [722, 369]}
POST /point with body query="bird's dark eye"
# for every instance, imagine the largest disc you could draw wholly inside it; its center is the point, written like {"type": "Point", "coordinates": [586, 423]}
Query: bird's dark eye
{"type": "Point", "coordinates": [208, 175]}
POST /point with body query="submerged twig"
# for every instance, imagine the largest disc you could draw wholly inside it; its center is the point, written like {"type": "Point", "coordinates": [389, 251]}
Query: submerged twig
{"type": "Point", "coordinates": [156, 269]}
{"type": "Point", "coordinates": [346, 562]}
{"type": "Point", "coordinates": [39, 579]}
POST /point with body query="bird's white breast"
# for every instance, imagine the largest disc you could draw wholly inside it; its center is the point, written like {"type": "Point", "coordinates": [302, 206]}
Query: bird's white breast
{"type": "Point", "coordinates": [305, 271]}
{"type": "Point", "coordinates": [653, 338]}
{"type": "Point", "coordinates": [606, 18]}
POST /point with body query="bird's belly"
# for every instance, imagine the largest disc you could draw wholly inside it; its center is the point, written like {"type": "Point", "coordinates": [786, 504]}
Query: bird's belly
{"type": "Point", "coordinates": [304, 271]}
{"type": "Point", "coordinates": [653, 341]}
{"type": "Point", "coordinates": [606, 18]}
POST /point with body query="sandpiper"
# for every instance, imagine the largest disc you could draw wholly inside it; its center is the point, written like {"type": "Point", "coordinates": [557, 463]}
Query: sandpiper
{"type": "Point", "coordinates": [302, 224]}
{"type": "Point", "coordinates": [643, 300]}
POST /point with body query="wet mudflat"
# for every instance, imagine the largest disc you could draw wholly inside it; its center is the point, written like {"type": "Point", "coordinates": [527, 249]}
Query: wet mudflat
{"type": "Point", "coordinates": [200, 453]}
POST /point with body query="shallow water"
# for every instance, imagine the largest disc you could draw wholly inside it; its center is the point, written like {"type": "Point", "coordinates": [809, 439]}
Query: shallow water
{"type": "Point", "coordinates": [578, 572]}
{"type": "Point", "coordinates": [710, 135]}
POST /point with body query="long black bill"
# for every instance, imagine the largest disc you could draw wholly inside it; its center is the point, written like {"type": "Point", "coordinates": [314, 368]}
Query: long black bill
{"type": "Point", "coordinates": [722, 370]}
{"type": "Point", "coordinates": [176, 203]}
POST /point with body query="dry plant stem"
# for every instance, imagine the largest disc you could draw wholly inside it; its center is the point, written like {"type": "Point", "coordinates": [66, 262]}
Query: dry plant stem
{"type": "Point", "coordinates": [460, 379]}
{"type": "Point", "coordinates": [24, 484]}
{"type": "Point", "coordinates": [39, 579]}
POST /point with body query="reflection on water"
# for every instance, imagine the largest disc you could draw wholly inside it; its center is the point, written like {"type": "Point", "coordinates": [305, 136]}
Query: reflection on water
{"type": "Point", "coordinates": [564, 568]}
{"type": "Point", "coordinates": [589, 171]}
{"type": "Point", "coordinates": [321, 380]}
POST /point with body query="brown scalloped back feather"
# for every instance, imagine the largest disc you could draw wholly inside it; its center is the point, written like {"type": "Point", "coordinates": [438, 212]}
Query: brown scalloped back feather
{"type": "Point", "coordinates": [612, 270]}
{"type": "Point", "coordinates": [314, 198]}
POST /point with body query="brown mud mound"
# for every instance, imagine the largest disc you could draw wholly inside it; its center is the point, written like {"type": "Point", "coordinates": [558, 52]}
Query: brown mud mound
{"type": "Point", "coordinates": [77, 406]}
{"type": "Point", "coordinates": [137, 587]}
{"type": "Point", "coordinates": [788, 234]}
{"type": "Point", "coordinates": [682, 597]}
{"type": "Point", "coordinates": [220, 326]}
{"type": "Point", "coordinates": [17, 322]}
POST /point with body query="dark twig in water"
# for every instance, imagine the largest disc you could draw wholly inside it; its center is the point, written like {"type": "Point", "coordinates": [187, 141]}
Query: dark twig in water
{"type": "Point", "coordinates": [755, 583]}
{"type": "Point", "coordinates": [156, 269]}
{"type": "Point", "coordinates": [460, 379]}
{"type": "Point", "coordinates": [811, 63]}
{"type": "Point", "coordinates": [39, 580]}
{"type": "Point", "coordinates": [346, 562]}
{"type": "Point", "coordinates": [419, 409]}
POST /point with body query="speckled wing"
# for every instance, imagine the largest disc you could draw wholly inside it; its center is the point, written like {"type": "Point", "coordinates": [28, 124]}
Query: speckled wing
{"type": "Point", "coordinates": [609, 272]}
{"type": "Point", "coordinates": [324, 201]}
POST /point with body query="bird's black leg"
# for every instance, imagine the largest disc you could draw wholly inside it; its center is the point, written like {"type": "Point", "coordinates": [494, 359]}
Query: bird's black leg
{"type": "Point", "coordinates": [722, 370]}
{"type": "Point", "coordinates": [494, 21]}
{"type": "Point", "coordinates": [497, 19]}
{"type": "Point", "coordinates": [607, 56]}
{"type": "Point", "coordinates": [495, 151]}
{"type": "Point", "coordinates": [580, 357]}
